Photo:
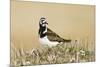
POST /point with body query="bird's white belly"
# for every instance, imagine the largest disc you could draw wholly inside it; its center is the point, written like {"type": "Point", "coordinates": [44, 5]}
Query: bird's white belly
{"type": "Point", "coordinates": [44, 41]}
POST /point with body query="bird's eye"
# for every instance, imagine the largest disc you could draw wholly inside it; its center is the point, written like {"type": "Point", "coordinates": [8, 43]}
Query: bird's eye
{"type": "Point", "coordinates": [42, 21]}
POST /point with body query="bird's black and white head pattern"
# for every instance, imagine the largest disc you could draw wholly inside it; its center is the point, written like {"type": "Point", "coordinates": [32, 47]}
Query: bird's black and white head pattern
{"type": "Point", "coordinates": [42, 27]}
{"type": "Point", "coordinates": [43, 22]}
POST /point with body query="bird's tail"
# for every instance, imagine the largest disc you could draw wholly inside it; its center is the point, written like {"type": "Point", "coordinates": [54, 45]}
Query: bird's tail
{"type": "Point", "coordinates": [67, 40]}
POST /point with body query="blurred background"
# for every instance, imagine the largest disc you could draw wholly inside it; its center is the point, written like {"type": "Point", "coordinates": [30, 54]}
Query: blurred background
{"type": "Point", "coordinates": [68, 20]}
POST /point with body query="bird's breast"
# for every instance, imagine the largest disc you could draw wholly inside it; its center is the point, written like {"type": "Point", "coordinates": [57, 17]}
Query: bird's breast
{"type": "Point", "coordinates": [46, 41]}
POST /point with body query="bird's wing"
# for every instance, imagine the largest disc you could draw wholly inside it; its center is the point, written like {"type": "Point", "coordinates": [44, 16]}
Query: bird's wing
{"type": "Point", "coordinates": [52, 36]}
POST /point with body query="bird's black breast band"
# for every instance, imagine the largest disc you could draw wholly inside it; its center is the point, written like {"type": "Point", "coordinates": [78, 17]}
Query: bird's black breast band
{"type": "Point", "coordinates": [41, 30]}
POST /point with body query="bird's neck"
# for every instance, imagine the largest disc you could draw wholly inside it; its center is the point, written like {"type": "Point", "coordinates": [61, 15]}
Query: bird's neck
{"type": "Point", "coordinates": [42, 31]}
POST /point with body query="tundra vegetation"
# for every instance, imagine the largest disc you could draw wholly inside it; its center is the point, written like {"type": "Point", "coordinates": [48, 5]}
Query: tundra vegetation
{"type": "Point", "coordinates": [62, 53]}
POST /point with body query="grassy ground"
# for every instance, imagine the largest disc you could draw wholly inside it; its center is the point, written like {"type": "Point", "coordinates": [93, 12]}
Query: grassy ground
{"type": "Point", "coordinates": [63, 53]}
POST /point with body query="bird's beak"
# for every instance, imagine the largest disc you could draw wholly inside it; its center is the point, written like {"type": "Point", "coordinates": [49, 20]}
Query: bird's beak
{"type": "Point", "coordinates": [46, 23]}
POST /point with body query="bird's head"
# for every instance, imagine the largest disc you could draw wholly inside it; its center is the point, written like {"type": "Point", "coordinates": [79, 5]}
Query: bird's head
{"type": "Point", "coordinates": [43, 22]}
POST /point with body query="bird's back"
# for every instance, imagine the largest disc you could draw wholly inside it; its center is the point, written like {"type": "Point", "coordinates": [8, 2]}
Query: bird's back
{"type": "Point", "coordinates": [54, 37]}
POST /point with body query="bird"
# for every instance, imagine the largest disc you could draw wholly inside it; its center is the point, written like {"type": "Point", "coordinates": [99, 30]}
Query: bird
{"type": "Point", "coordinates": [48, 37]}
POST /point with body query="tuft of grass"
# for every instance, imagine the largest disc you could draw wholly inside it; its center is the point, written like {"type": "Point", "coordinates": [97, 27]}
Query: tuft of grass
{"type": "Point", "coordinates": [62, 53]}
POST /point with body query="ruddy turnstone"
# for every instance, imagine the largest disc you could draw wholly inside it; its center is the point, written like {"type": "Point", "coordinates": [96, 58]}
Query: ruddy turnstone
{"type": "Point", "coordinates": [47, 36]}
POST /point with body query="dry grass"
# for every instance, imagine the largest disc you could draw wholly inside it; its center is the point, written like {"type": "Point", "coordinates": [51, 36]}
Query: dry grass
{"type": "Point", "coordinates": [63, 53]}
